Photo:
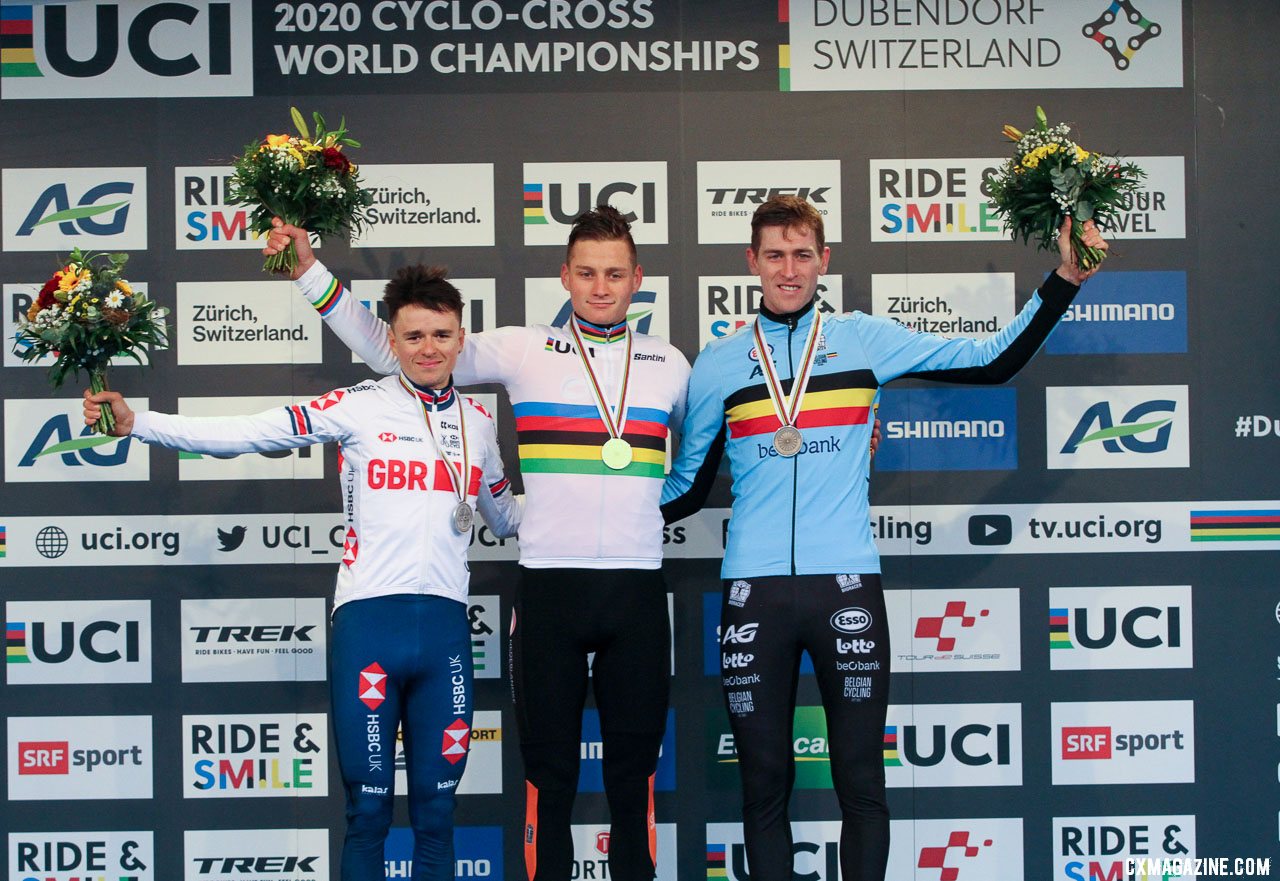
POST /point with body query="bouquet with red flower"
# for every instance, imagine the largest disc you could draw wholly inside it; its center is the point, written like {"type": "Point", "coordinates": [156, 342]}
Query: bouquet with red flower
{"type": "Point", "coordinates": [87, 314]}
{"type": "Point", "coordinates": [308, 182]}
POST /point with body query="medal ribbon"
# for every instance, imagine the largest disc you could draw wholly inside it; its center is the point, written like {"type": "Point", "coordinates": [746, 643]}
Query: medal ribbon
{"type": "Point", "coordinates": [456, 479]}
{"type": "Point", "coordinates": [787, 410]}
{"type": "Point", "coordinates": [614, 425]}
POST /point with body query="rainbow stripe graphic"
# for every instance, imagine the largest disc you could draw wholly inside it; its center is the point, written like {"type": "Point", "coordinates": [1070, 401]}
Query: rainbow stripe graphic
{"type": "Point", "coordinates": [1260, 525]}
{"type": "Point", "coordinates": [17, 42]}
{"type": "Point", "coordinates": [1059, 635]}
{"type": "Point", "coordinates": [891, 759]}
{"type": "Point", "coordinates": [716, 861]}
{"type": "Point", "coordinates": [831, 399]}
{"type": "Point", "coordinates": [327, 300]}
{"type": "Point", "coordinates": [784, 50]}
{"type": "Point", "coordinates": [533, 212]}
{"type": "Point", "coordinates": [15, 643]}
{"type": "Point", "coordinates": [2, 542]}
{"type": "Point", "coordinates": [567, 438]}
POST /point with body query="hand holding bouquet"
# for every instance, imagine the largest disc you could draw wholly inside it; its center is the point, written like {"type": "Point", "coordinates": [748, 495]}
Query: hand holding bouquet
{"type": "Point", "coordinates": [86, 315]}
{"type": "Point", "coordinates": [1051, 177]}
{"type": "Point", "coordinates": [307, 183]}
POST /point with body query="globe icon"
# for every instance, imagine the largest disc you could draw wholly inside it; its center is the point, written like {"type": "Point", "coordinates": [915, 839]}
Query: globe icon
{"type": "Point", "coordinates": [51, 542]}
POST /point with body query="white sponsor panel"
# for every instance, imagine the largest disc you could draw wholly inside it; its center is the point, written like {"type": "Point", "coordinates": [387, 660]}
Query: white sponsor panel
{"type": "Point", "coordinates": [47, 441]}
{"type": "Point", "coordinates": [58, 209]}
{"type": "Point", "coordinates": [1099, 847]}
{"type": "Point", "coordinates": [950, 304]}
{"type": "Point", "coordinates": [878, 45]}
{"type": "Point", "coordinates": [815, 849]}
{"type": "Point", "coordinates": [967, 849]}
{"type": "Point", "coordinates": [483, 616]}
{"type": "Point", "coordinates": [302, 463]}
{"type": "Point", "coordinates": [198, 48]}
{"type": "Point", "coordinates": [557, 192]}
{"type": "Point", "coordinates": [255, 755]}
{"type": "Point", "coordinates": [953, 745]}
{"type": "Point", "coordinates": [103, 641]}
{"type": "Point", "coordinates": [479, 302]}
{"type": "Point", "coordinates": [483, 775]}
{"type": "Point", "coordinates": [1097, 742]}
{"type": "Point", "coordinates": [591, 851]}
{"type": "Point", "coordinates": [1120, 628]}
{"type": "Point", "coordinates": [547, 302]}
{"type": "Point", "coordinates": [81, 856]}
{"type": "Point", "coordinates": [946, 200]}
{"type": "Point", "coordinates": [728, 303]}
{"type": "Point", "coordinates": [730, 192]}
{"type": "Point", "coordinates": [953, 631]}
{"type": "Point", "coordinates": [245, 322]}
{"type": "Point", "coordinates": [79, 757]}
{"type": "Point", "coordinates": [203, 218]}
{"type": "Point", "coordinates": [427, 206]}
{"type": "Point", "coordinates": [1118, 426]}
{"type": "Point", "coordinates": [254, 640]}
{"type": "Point", "coordinates": [17, 299]}
{"type": "Point", "coordinates": [256, 855]}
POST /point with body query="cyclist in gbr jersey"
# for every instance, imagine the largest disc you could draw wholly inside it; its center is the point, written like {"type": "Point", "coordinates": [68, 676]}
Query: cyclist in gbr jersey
{"type": "Point", "coordinates": [594, 403]}
{"type": "Point", "coordinates": [791, 399]}
{"type": "Point", "coordinates": [417, 459]}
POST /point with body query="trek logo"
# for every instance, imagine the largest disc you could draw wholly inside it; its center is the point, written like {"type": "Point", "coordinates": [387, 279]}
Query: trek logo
{"type": "Point", "coordinates": [953, 745]}
{"type": "Point", "coordinates": [1098, 628]}
{"type": "Point", "coordinates": [740, 634]}
{"type": "Point", "coordinates": [56, 209]}
{"type": "Point", "coordinates": [557, 192]}
{"type": "Point", "coordinates": [1117, 427]}
{"type": "Point", "coordinates": [137, 50]}
{"type": "Point", "coordinates": [729, 192]}
{"type": "Point", "coordinates": [1122, 742]}
{"type": "Point", "coordinates": [77, 642]}
{"type": "Point", "coordinates": [851, 620]}
{"type": "Point", "coordinates": [273, 639]}
{"type": "Point", "coordinates": [256, 855]}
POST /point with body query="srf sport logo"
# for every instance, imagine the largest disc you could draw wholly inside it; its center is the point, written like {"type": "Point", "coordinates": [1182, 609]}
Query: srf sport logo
{"type": "Point", "coordinates": [1117, 427]}
{"type": "Point", "coordinates": [128, 49]}
{"type": "Point", "coordinates": [57, 209]}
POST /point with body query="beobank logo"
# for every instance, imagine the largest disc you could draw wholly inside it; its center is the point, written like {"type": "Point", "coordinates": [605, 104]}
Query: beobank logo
{"type": "Point", "coordinates": [556, 192]}
{"type": "Point", "coordinates": [1123, 742]}
{"type": "Point", "coordinates": [79, 757]}
{"type": "Point", "coordinates": [129, 49]}
{"type": "Point", "coordinates": [57, 209]}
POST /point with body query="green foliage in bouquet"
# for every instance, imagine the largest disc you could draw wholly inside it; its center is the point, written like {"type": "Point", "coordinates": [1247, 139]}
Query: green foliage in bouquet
{"type": "Point", "coordinates": [305, 181]}
{"type": "Point", "coordinates": [1051, 176]}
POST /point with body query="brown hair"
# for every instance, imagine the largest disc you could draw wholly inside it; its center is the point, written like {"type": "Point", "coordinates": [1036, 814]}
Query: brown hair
{"type": "Point", "coordinates": [425, 286]}
{"type": "Point", "coordinates": [604, 223]}
{"type": "Point", "coordinates": [790, 213]}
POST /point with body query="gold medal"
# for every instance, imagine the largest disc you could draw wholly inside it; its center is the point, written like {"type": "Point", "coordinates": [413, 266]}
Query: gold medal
{"type": "Point", "coordinates": [616, 453]}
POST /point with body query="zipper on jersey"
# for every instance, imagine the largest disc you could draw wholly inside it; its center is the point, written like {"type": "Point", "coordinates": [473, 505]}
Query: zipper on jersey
{"type": "Point", "coordinates": [792, 321]}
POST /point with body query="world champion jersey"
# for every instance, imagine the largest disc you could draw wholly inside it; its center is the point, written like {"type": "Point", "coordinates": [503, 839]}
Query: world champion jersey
{"type": "Point", "coordinates": [397, 497]}
{"type": "Point", "coordinates": [578, 512]}
{"type": "Point", "coordinates": [809, 515]}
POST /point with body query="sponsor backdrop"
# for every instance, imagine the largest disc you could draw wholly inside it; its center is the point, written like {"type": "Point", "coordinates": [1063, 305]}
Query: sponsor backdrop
{"type": "Point", "coordinates": [1080, 566]}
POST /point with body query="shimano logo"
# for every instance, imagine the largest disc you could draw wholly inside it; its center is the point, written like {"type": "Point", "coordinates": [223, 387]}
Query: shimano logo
{"type": "Point", "coordinates": [945, 428]}
{"type": "Point", "coordinates": [1120, 312]}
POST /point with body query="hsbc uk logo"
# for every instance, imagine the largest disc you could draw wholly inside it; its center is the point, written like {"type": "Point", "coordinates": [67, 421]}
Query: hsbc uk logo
{"type": "Point", "coordinates": [373, 686]}
{"type": "Point", "coordinates": [56, 209]}
{"type": "Point", "coordinates": [457, 736]}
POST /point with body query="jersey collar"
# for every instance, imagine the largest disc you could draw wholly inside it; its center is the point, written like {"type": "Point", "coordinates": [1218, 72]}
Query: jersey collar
{"type": "Point", "coordinates": [600, 334]}
{"type": "Point", "coordinates": [791, 319]}
{"type": "Point", "coordinates": [434, 399]}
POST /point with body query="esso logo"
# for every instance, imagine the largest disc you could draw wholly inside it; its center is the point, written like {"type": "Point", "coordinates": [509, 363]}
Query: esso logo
{"type": "Point", "coordinates": [754, 354]}
{"type": "Point", "coordinates": [851, 620]}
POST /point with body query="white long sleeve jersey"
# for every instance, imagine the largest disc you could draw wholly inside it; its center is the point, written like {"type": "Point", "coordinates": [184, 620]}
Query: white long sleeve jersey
{"type": "Point", "coordinates": [397, 496]}
{"type": "Point", "coordinates": [578, 512]}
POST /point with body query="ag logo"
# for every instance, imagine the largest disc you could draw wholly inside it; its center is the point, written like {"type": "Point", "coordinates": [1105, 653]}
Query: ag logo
{"type": "Point", "coordinates": [130, 49]}
{"type": "Point", "coordinates": [851, 620]}
{"type": "Point", "coordinates": [55, 209]}
{"type": "Point", "coordinates": [1118, 427]}
{"type": "Point", "coordinates": [741, 633]}
{"type": "Point", "coordinates": [46, 441]}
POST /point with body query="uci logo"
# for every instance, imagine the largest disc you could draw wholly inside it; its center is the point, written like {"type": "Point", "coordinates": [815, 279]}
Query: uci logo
{"type": "Point", "coordinates": [851, 620]}
{"type": "Point", "coordinates": [640, 199]}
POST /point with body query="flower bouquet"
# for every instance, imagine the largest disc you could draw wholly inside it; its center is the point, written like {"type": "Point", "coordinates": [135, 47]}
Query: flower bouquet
{"type": "Point", "coordinates": [86, 315]}
{"type": "Point", "coordinates": [1051, 176]}
{"type": "Point", "coordinates": [306, 182]}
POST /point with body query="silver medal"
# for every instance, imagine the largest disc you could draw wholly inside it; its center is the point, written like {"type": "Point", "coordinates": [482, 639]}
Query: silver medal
{"type": "Point", "coordinates": [787, 440]}
{"type": "Point", "coordinates": [463, 517]}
